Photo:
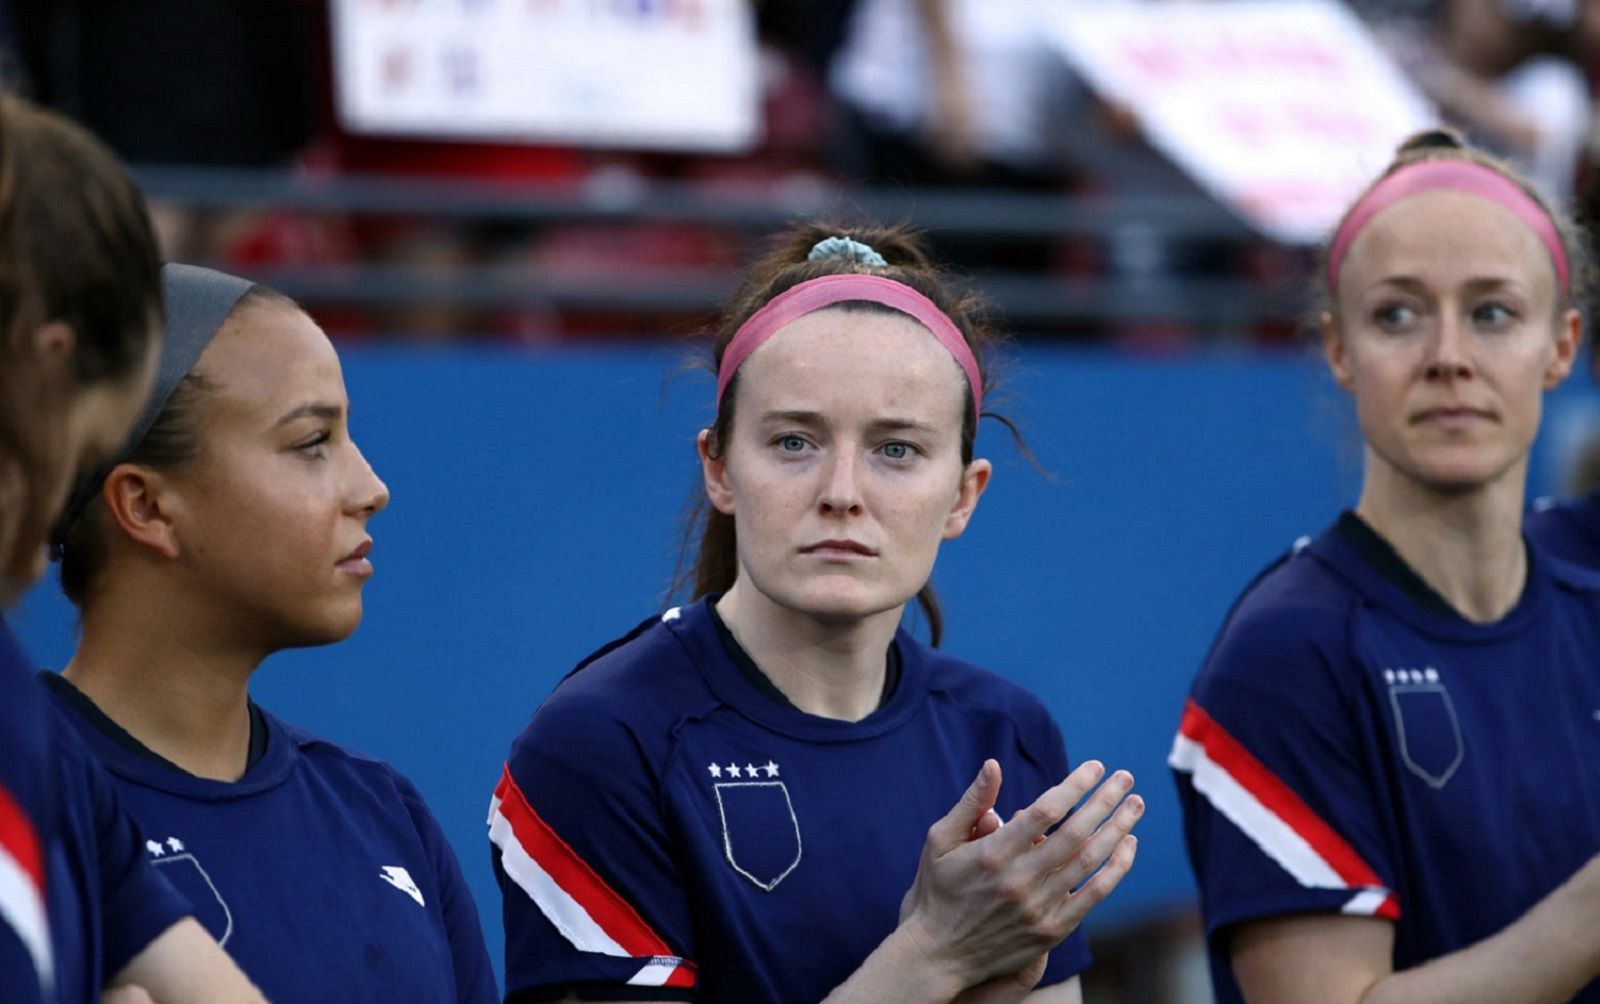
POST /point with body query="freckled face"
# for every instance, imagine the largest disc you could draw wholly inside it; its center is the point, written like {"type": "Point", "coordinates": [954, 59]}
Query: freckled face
{"type": "Point", "coordinates": [271, 517]}
{"type": "Point", "coordinates": [843, 469]}
{"type": "Point", "coordinates": [1448, 333]}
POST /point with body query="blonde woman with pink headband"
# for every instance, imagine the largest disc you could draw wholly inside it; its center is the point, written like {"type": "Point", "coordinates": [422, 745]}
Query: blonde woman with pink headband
{"type": "Point", "coordinates": [1387, 763]}
{"type": "Point", "coordinates": [777, 793]}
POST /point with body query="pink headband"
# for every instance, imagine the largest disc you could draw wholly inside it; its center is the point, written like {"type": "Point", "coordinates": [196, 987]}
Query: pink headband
{"type": "Point", "coordinates": [1461, 176]}
{"type": "Point", "coordinates": [815, 294]}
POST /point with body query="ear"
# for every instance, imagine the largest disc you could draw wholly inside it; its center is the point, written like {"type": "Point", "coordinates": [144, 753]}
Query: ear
{"type": "Point", "coordinates": [715, 471]}
{"type": "Point", "coordinates": [1569, 335]}
{"type": "Point", "coordinates": [973, 481]}
{"type": "Point", "coordinates": [1333, 350]}
{"type": "Point", "coordinates": [140, 505]}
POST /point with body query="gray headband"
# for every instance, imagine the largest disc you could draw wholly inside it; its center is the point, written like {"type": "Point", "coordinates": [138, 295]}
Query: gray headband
{"type": "Point", "coordinates": [198, 300]}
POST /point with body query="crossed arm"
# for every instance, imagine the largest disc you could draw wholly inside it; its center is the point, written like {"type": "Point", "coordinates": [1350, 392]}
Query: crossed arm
{"type": "Point", "coordinates": [1548, 955]}
{"type": "Point", "coordinates": [182, 966]}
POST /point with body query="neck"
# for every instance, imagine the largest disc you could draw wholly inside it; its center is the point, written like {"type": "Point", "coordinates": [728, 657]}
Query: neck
{"type": "Point", "coordinates": [1466, 545]}
{"type": "Point", "coordinates": [831, 668]}
{"type": "Point", "coordinates": [183, 694]}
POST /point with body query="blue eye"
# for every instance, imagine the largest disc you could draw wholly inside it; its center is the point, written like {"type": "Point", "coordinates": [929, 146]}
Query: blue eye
{"type": "Point", "coordinates": [1493, 314]}
{"type": "Point", "coordinates": [899, 451]}
{"type": "Point", "coordinates": [1394, 316]}
{"type": "Point", "coordinates": [791, 444]}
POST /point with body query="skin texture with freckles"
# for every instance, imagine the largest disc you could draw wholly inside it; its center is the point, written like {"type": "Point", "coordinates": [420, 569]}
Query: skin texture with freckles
{"type": "Point", "coordinates": [1444, 338]}
{"type": "Point", "coordinates": [847, 430]}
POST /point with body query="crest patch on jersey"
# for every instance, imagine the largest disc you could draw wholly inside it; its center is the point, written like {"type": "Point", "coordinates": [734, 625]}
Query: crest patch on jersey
{"type": "Point", "coordinates": [186, 874]}
{"type": "Point", "coordinates": [760, 833]}
{"type": "Point", "coordinates": [1425, 724]}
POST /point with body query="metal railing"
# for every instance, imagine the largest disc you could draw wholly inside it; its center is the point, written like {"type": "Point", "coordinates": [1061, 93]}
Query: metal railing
{"type": "Point", "coordinates": [1137, 234]}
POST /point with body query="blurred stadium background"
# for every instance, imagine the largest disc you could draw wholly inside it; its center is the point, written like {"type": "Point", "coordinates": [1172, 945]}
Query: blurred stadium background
{"type": "Point", "coordinates": [514, 217]}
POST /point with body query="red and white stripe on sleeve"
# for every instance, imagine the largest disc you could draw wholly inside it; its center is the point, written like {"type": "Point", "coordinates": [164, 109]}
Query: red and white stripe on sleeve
{"type": "Point", "coordinates": [1261, 805]}
{"type": "Point", "coordinates": [22, 903]}
{"type": "Point", "coordinates": [587, 911]}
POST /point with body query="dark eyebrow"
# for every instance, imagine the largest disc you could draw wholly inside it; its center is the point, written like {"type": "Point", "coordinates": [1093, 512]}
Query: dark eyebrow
{"type": "Point", "coordinates": [817, 419]}
{"type": "Point", "coordinates": [906, 424]}
{"type": "Point", "coordinates": [1411, 282]}
{"type": "Point", "coordinates": [795, 417]}
{"type": "Point", "coordinates": [328, 412]}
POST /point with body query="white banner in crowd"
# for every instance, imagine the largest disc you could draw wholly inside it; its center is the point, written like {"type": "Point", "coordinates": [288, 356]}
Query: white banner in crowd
{"type": "Point", "coordinates": [649, 74]}
{"type": "Point", "coordinates": [1284, 109]}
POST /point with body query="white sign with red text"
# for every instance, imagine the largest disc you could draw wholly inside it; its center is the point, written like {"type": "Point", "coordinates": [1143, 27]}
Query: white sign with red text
{"type": "Point", "coordinates": [647, 74]}
{"type": "Point", "coordinates": [1284, 109]}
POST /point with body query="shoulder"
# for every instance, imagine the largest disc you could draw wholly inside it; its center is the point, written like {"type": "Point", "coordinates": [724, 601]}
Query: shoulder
{"type": "Point", "coordinates": [1289, 628]}
{"type": "Point", "coordinates": [1573, 564]}
{"type": "Point", "coordinates": [638, 686]}
{"type": "Point", "coordinates": [979, 694]}
{"type": "Point", "coordinates": [365, 784]}
{"type": "Point", "coordinates": [340, 765]}
{"type": "Point", "coordinates": [1568, 529]}
{"type": "Point", "coordinates": [983, 688]}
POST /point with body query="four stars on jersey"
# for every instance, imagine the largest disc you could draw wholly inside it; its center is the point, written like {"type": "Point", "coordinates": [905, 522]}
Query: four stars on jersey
{"type": "Point", "coordinates": [748, 770]}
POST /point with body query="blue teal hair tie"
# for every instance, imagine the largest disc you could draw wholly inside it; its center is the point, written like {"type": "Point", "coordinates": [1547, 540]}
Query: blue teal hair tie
{"type": "Point", "coordinates": [847, 249]}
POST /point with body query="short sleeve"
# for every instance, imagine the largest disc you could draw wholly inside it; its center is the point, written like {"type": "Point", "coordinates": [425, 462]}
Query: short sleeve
{"type": "Point", "coordinates": [474, 975]}
{"type": "Point", "coordinates": [137, 904]}
{"type": "Point", "coordinates": [1280, 813]}
{"type": "Point", "coordinates": [593, 899]}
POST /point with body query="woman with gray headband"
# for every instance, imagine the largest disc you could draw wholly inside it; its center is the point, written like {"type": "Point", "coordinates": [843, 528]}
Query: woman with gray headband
{"type": "Point", "coordinates": [233, 525]}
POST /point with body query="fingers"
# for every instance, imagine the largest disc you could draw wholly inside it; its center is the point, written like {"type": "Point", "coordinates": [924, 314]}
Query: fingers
{"type": "Point", "coordinates": [1049, 808]}
{"type": "Point", "coordinates": [1089, 818]}
{"type": "Point", "coordinates": [1083, 859]}
{"type": "Point", "coordinates": [969, 813]}
{"type": "Point", "coordinates": [1098, 888]}
{"type": "Point", "coordinates": [987, 823]}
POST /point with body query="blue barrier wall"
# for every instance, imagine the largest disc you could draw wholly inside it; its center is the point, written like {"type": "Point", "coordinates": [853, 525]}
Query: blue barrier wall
{"type": "Point", "coordinates": [535, 512]}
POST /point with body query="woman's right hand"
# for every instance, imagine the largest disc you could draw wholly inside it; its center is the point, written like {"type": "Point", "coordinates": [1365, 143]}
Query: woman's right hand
{"type": "Point", "coordinates": [988, 901]}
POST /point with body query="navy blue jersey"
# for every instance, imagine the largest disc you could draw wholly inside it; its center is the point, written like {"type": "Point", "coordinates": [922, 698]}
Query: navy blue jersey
{"type": "Point", "coordinates": [663, 823]}
{"type": "Point", "coordinates": [27, 959]}
{"type": "Point", "coordinates": [320, 871]}
{"type": "Point", "coordinates": [1347, 750]}
{"type": "Point", "coordinates": [77, 899]}
{"type": "Point", "coordinates": [1568, 529]}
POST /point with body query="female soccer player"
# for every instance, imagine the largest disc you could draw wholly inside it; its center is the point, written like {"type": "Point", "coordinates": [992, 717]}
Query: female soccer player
{"type": "Point", "coordinates": [80, 312]}
{"type": "Point", "coordinates": [1384, 763]}
{"type": "Point", "coordinates": [728, 803]}
{"type": "Point", "coordinates": [233, 525]}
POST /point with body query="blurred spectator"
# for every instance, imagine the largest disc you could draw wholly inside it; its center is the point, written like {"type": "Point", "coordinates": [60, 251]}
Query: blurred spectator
{"type": "Point", "coordinates": [1510, 72]}
{"type": "Point", "coordinates": [951, 92]}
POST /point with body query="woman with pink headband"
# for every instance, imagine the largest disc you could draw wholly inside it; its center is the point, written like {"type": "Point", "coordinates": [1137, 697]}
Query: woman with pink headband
{"type": "Point", "coordinates": [777, 793]}
{"type": "Point", "coordinates": [1386, 763]}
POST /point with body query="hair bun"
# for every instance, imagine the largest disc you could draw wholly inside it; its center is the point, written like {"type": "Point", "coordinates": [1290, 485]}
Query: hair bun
{"type": "Point", "coordinates": [1440, 138]}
